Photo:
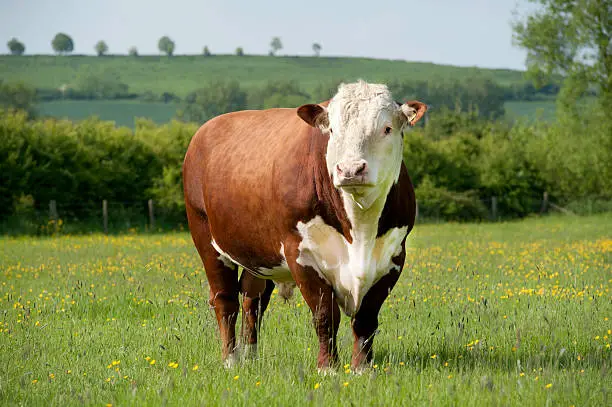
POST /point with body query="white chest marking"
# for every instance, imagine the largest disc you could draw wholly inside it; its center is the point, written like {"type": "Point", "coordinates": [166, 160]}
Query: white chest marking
{"type": "Point", "coordinates": [351, 269]}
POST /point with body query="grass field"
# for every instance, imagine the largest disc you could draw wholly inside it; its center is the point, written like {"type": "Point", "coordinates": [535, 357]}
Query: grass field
{"type": "Point", "coordinates": [122, 112]}
{"type": "Point", "coordinates": [183, 74]}
{"type": "Point", "coordinates": [491, 314]}
{"type": "Point", "coordinates": [531, 110]}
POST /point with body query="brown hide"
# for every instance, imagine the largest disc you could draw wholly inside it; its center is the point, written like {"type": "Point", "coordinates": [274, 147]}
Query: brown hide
{"type": "Point", "coordinates": [249, 178]}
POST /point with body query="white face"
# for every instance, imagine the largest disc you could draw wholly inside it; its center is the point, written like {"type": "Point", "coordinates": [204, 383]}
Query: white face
{"type": "Point", "coordinates": [365, 138]}
{"type": "Point", "coordinates": [365, 126]}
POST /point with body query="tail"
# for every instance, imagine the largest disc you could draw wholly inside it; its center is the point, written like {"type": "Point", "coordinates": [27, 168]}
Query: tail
{"type": "Point", "coordinates": [285, 290]}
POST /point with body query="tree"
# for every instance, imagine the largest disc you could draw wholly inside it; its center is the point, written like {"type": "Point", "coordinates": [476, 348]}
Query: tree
{"type": "Point", "coordinates": [278, 94]}
{"type": "Point", "coordinates": [17, 96]}
{"type": "Point", "coordinates": [16, 47]}
{"type": "Point", "coordinates": [275, 45]}
{"type": "Point", "coordinates": [95, 84]}
{"type": "Point", "coordinates": [239, 51]}
{"type": "Point", "coordinates": [215, 99]}
{"type": "Point", "coordinates": [316, 47]}
{"type": "Point", "coordinates": [572, 39]}
{"type": "Point", "coordinates": [166, 45]}
{"type": "Point", "coordinates": [206, 51]}
{"type": "Point", "coordinates": [133, 52]}
{"type": "Point", "coordinates": [62, 43]}
{"type": "Point", "coordinates": [101, 48]}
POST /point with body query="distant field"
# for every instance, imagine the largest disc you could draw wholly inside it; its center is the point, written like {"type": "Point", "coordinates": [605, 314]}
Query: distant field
{"type": "Point", "coordinates": [501, 314]}
{"type": "Point", "coordinates": [540, 109]}
{"type": "Point", "coordinates": [122, 112]}
{"type": "Point", "coordinates": [182, 74]}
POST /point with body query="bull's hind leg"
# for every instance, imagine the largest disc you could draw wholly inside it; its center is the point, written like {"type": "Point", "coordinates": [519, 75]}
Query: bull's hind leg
{"type": "Point", "coordinates": [256, 293]}
{"type": "Point", "coordinates": [222, 278]}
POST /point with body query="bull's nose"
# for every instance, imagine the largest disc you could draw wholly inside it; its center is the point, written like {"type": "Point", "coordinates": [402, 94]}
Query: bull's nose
{"type": "Point", "coordinates": [352, 169]}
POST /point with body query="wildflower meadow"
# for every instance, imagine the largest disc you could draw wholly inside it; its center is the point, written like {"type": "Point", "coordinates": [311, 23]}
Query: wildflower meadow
{"type": "Point", "coordinates": [514, 313]}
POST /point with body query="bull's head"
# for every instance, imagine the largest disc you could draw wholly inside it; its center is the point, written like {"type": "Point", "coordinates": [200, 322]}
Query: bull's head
{"type": "Point", "coordinates": [365, 127]}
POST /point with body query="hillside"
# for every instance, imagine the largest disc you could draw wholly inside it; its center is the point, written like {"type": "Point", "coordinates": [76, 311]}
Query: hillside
{"type": "Point", "coordinates": [182, 74]}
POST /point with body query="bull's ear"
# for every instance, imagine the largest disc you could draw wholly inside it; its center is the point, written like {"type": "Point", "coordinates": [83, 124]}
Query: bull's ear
{"type": "Point", "coordinates": [314, 115]}
{"type": "Point", "coordinates": [412, 111]}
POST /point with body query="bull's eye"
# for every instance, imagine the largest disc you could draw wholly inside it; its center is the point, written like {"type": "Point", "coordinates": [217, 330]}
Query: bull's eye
{"type": "Point", "coordinates": [387, 130]}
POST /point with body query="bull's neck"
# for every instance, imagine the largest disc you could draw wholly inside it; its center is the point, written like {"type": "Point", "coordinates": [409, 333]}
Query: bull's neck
{"type": "Point", "coordinates": [364, 213]}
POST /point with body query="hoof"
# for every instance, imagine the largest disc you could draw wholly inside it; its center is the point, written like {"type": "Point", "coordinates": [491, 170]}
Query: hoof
{"type": "Point", "coordinates": [250, 352]}
{"type": "Point", "coordinates": [231, 360]}
{"type": "Point", "coordinates": [327, 371]}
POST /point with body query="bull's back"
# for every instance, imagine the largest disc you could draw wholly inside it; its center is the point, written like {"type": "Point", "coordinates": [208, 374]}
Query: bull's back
{"type": "Point", "coordinates": [246, 173]}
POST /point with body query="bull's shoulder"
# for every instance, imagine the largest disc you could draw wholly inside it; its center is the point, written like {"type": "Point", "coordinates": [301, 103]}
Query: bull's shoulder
{"type": "Point", "coordinates": [400, 206]}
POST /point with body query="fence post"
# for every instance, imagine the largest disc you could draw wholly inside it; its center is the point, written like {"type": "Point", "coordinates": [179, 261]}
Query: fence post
{"type": "Point", "coordinates": [151, 215]}
{"type": "Point", "coordinates": [544, 202]}
{"type": "Point", "coordinates": [494, 207]}
{"type": "Point", "coordinates": [53, 210]}
{"type": "Point", "coordinates": [105, 215]}
{"type": "Point", "coordinates": [416, 215]}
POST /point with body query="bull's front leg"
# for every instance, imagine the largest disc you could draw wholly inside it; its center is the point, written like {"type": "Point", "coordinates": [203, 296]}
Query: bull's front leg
{"type": "Point", "coordinates": [365, 322]}
{"type": "Point", "coordinates": [321, 299]}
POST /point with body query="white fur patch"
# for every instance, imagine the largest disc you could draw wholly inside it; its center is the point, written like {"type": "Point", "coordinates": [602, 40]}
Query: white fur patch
{"type": "Point", "coordinates": [277, 273]}
{"type": "Point", "coordinates": [351, 269]}
{"type": "Point", "coordinates": [358, 115]}
{"type": "Point", "coordinates": [225, 258]}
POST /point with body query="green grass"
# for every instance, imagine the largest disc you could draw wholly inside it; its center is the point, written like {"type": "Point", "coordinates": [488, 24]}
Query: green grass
{"type": "Point", "coordinates": [531, 110]}
{"type": "Point", "coordinates": [183, 74]}
{"type": "Point", "coordinates": [122, 112]}
{"type": "Point", "coordinates": [485, 314]}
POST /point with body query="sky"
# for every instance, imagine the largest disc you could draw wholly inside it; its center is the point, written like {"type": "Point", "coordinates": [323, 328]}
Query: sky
{"type": "Point", "coordinates": [463, 33]}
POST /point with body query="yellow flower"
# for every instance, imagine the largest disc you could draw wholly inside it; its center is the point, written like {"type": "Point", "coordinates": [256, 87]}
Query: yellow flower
{"type": "Point", "coordinates": [173, 365]}
{"type": "Point", "coordinates": [257, 384]}
{"type": "Point", "coordinates": [317, 385]}
{"type": "Point", "coordinates": [34, 381]}
{"type": "Point", "coordinates": [521, 374]}
{"type": "Point", "coordinates": [345, 384]}
{"type": "Point", "coordinates": [152, 362]}
{"type": "Point", "coordinates": [195, 367]}
{"type": "Point", "coordinates": [236, 377]}
{"type": "Point", "coordinates": [51, 376]}
{"type": "Point", "coordinates": [548, 386]}
{"type": "Point", "coordinates": [434, 356]}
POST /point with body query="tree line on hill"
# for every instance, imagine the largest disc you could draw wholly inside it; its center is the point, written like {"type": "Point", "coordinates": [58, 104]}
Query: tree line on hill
{"type": "Point", "coordinates": [477, 93]}
{"type": "Point", "coordinates": [63, 44]}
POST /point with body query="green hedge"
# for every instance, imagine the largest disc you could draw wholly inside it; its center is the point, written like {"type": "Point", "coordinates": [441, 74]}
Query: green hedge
{"type": "Point", "coordinates": [456, 172]}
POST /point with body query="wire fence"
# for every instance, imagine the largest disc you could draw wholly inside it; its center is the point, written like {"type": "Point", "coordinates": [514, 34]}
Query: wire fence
{"type": "Point", "coordinates": [146, 215]}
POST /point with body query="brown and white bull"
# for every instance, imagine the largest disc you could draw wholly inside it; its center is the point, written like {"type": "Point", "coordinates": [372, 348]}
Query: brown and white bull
{"type": "Point", "coordinates": [318, 196]}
